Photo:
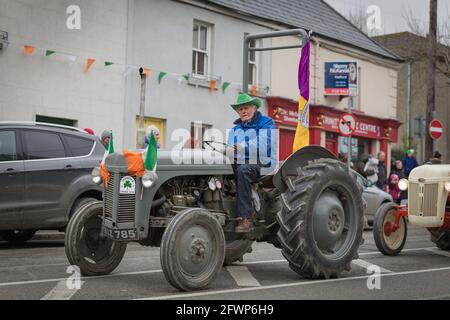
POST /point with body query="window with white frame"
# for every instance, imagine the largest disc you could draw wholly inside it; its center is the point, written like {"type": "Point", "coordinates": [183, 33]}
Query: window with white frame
{"type": "Point", "coordinates": [201, 49]}
{"type": "Point", "coordinates": [252, 64]}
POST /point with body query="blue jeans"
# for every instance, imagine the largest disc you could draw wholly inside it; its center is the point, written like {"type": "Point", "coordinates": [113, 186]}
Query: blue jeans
{"type": "Point", "coordinates": [245, 175]}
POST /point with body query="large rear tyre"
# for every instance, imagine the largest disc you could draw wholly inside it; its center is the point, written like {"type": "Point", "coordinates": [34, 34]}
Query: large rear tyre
{"type": "Point", "coordinates": [441, 239]}
{"type": "Point", "coordinates": [17, 236]}
{"type": "Point", "coordinates": [235, 250]}
{"type": "Point", "coordinates": [389, 243]}
{"type": "Point", "coordinates": [321, 222]}
{"type": "Point", "coordinates": [192, 249]}
{"type": "Point", "coordinates": [93, 254]}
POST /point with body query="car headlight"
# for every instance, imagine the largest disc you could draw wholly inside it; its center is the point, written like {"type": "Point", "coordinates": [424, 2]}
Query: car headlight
{"type": "Point", "coordinates": [149, 178]}
{"type": "Point", "coordinates": [447, 186]}
{"type": "Point", "coordinates": [96, 176]}
{"type": "Point", "coordinates": [403, 184]}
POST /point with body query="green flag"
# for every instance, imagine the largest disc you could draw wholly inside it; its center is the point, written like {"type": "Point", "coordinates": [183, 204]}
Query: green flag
{"type": "Point", "coordinates": [108, 63]}
{"type": "Point", "coordinates": [49, 52]}
{"type": "Point", "coordinates": [225, 86]}
{"type": "Point", "coordinates": [110, 144]}
{"type": "Point", "coordinates": [152, 153]}
{"type": "Point", "coordinates": [186, 77]}
{"type": "Point", "coordinates": [161, 76]}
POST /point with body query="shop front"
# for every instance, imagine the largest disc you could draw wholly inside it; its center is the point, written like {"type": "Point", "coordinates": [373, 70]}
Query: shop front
{"type": "Point", "coordinates": [371, 135]}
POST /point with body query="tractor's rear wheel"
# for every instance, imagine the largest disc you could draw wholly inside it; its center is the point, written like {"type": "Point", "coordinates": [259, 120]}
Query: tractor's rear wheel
{"type": "Point", "coordinates": [86, 248]}
{"type": "Point", "coordinates": [389, 243]}
{"type": "Point", "coordinates": [321, 222]}
{"type": "Point", "coordinates": [441, 239]}
{"type": "Point", "coordinates": [192, 249]}
{"type": "Point", "coordinates": [235, 250]}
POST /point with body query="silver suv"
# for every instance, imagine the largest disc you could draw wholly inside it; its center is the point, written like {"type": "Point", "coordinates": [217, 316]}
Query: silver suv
{"type": "Point", "coordinates": [45, 174]}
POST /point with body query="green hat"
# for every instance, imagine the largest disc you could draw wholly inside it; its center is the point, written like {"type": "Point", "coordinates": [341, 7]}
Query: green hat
{"type": "Point", "coordinates": [244, 99]}
{"type": "Point", "coordinates": [410, 151]}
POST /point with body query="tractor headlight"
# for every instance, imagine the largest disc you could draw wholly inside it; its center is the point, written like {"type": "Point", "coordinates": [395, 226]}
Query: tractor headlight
{"type": "Point", "coordinates": [403, 184]}
{"type": "Point", "coordinates": [149, 179]}
{"type": "Point", "coordinates": [96, 176]}
{"type": "Point", "coordinates": [447, 186]}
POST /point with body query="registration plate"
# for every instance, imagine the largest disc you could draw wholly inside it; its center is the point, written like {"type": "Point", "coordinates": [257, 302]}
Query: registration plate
{"type": "Point", "coordinates": [120, 234]}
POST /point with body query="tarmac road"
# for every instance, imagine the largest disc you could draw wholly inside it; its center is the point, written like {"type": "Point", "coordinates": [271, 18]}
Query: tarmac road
{"type": "Point", "coordinates": [38, 270]}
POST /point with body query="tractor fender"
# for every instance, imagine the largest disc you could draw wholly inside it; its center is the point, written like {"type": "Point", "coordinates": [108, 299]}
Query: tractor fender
{"type": "Point", "coordinates": [300, 158]}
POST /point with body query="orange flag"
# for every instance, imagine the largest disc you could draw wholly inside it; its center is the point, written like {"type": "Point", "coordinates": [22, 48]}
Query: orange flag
{"type": "Point", "coordinates": [89, 64]}
{"type": "Point", "coordinates": [147, 72]}
{"type": "Point", "coordinates": [28, 49]}
{"type": "Point", "coordinates": [212, 85]}
{"type": "Point", "coordinates": [253, 90]}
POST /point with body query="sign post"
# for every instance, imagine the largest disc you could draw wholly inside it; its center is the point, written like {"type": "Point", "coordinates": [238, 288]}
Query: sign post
{"type": "Point", "coordinates": [347, 125]}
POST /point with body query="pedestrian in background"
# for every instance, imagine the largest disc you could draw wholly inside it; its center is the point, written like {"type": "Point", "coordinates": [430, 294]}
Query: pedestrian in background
{"type": "Point", "coordinates": [398, 169]}
{"type": "Point", "coordinates": [371, 166]}
{"type": "Point", "coordinates": [105, 138]}
{"type": "Point", "coordinates": [360, 165]}
{"type": "Point", "coordinates": [409, 162]}
{"type": "Point", "coordinates": [437, 158]}
{"type": "Point", "coordinates": [382, 171]}
{"type": "Point", "coordinates": [155, 130]}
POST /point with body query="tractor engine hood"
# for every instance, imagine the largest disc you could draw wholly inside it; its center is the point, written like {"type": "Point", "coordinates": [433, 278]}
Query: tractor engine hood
{"type": "Point", "coordinates": [430, 173]}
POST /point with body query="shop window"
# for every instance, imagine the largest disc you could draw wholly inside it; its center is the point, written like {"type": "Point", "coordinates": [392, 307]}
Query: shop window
{"type": "Point", "coordinates": [198, 130]}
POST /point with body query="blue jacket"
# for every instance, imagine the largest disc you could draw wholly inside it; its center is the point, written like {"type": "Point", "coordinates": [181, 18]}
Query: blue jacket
{"type": "Point", "coordinates": [256, 138]}
{"type": "Point", "coordinates": [409, 163]}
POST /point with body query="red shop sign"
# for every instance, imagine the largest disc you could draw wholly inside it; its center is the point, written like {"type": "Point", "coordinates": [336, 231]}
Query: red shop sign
{"type": "Point", "coordinates": [363, 129]}
{"type": "Point", "coordinates": [285, 116]}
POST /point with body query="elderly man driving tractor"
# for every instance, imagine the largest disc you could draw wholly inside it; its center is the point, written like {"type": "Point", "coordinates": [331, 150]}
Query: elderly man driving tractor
{"type": "Point", "coordinates": [251, 150]}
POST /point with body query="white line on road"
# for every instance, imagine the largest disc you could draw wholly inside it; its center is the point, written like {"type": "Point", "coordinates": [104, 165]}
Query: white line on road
{"type": "Point", "coordinates": [286, 285]}
{"type": "Point", "coordinates": [439, 252]}
{"type": "Point", "coordinates": [61, 291]}
{"type": "Point", "coordinates": [243, 276]}
{"type": "Point", "coordinates": [366, 265]}
{"type": "Point", "coordinates": [28, 282]}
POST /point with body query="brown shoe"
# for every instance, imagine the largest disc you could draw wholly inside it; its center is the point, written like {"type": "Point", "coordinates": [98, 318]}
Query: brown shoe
{"type": "Point", "coordinates": [244, 225]}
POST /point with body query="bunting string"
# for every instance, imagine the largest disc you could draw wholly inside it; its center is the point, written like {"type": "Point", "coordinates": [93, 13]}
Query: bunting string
{"type": "Point", "coordinates": [90, 62]}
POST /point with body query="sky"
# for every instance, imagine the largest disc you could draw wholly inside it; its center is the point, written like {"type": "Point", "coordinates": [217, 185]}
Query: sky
{"type": "Point", "coordinates": [393, 11]}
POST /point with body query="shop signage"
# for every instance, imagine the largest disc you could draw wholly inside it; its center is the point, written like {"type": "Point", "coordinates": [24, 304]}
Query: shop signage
{"type": "Point", "coordinates": [362, 129]}
{"type": "Point", "coordinates": [285, 116]}
{"type": "Point", "coordinates": [341, 78]}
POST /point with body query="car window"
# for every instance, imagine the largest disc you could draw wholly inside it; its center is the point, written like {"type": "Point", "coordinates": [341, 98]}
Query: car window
{"type": "Point", "coordinates": [79, 146]}
{"type": "Point", "coordinates": [43, 145]}
{"type": "Point", "coordinates": [8, 150]}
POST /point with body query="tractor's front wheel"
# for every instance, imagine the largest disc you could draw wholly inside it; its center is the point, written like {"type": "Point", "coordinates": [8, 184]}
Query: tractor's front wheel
{"type": "Point", "coordinates": [192, 249]}
{"type": "Point", "coordinates": [86, 248]}
{"type": "Point", "coordinates": [321, 222]}
{"type": "Point", "coordinates": [389, 242]}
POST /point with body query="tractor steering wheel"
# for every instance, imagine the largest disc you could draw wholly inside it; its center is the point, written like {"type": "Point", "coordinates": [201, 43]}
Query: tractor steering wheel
{"type": "Point", "coordinates": [210, 143]}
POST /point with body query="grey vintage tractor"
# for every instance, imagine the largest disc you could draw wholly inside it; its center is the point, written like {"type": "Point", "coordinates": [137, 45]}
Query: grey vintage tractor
{"type": "Point", "coordinates": [311, 208]}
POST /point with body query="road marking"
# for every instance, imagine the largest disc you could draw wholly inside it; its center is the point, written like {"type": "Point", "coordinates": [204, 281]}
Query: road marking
{"type": "Point", "coordinates": [439, 252]}
{"type": "Point", "coordinates": [16, 283]}
{"type": "Point", "coordinates": [243, 276]}
{"type": "Point", "coordinates": [61, 291]}
{"type": "Point", "coordinates": [366, 265]}
{"type": "Point", "coordinates": [286, 285]}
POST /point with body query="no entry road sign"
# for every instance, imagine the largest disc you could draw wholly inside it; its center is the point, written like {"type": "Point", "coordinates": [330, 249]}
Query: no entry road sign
{"type": "Point", "coordinates": [347, 124]}
{"type": "Point", "coordinates": [436, 129]}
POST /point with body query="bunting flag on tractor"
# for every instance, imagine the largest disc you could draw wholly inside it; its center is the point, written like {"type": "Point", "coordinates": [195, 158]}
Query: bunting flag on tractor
{"type": "Point", "coordinates": [302, 132]}
{"type": "Point", "coordinates": [28, 49]}
{"type": "Point", "coordinates": [89, 63]}
{"type": "Point", "coordinates": [151, 154]}
{"type": "Point", "coordinates": [49, 52]}
{"type": "Point", "coordinates": [161, 76]}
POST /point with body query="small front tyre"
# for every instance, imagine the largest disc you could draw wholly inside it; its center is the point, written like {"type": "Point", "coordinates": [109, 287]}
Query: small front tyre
{"type": "Point", "coordinates": [86, 248]}
{"type": "Point", "coordinates": [192, 249]}
{"type": "Point", "coordinates": [389, 243]}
